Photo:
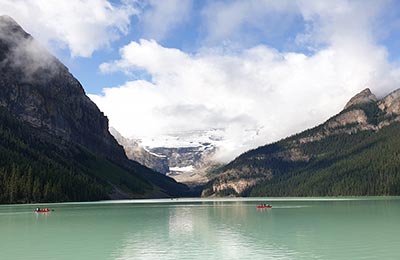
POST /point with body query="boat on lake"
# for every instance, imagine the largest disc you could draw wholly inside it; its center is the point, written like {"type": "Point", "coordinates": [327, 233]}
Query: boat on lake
{"type": "Point", "coordinates": [45, 210]}
{"type": "Point", "coordinates": [264, 206]}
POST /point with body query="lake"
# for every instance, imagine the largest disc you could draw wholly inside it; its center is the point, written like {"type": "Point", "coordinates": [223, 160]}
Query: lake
{"type": "Point", "coordinates": [295, 228]}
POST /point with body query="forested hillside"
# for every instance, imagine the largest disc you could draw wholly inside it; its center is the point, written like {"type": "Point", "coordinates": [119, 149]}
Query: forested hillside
{"type": "Point", "coordinates": [365, 163]}
{"type": "Point", "coordinates": [54, 141]}
{"type": "Point", "coordinates": [356, 152]}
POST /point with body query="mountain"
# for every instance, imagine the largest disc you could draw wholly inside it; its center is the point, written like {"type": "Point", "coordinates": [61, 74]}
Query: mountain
{"type": "Point", "coordinates": [186, 156]}
{"type": "Point", "coordinates": [54, 141]}
{"type": "Point", "coordinates": [356, 152]}
{"type": "Point", "coordinates": [136, 152]}
{"type": "Point", "coordinates": [190, 153]}
{"type": "Point", "coordinates": [189, 165]}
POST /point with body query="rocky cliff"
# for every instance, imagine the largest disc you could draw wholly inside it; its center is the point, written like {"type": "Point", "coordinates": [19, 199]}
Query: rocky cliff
{"type": "Point", "coordinates": [364, 96]}
{"type": "Point", "coordinates": [51, 129]}
{"type": "Point", "coordinates": [314, 151]}
{"type": "Point", "coordinates": [136, 152]}
{"type": "Point", "coordinates": [39, 89]}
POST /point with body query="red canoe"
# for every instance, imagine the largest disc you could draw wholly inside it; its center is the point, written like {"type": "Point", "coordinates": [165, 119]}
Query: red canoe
{"type": "Point", "coordinates": [43, 211]}
{"type": "Point", "coordinates": [264, 207]}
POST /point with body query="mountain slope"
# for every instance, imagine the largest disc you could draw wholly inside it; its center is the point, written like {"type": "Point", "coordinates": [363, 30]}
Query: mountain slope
{"type": "Point", "coordinates": [356, 152]}
{"type": "Point", "coordinates": [136, 152]}
{"type": "Point", "coordinates": [186, 156]}
{"type": "Point", "coordinates": [55, 144]}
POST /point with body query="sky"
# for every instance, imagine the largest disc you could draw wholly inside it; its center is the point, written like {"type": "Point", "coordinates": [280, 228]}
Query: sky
{"type": "Point", "coordinates": [256, 70]}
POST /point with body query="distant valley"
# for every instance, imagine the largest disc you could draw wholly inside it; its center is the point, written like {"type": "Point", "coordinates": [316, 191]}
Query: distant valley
{"type": "Point", "coordinates": [354, 153]}
{"type": "Point", "coordinates": [187, 157]}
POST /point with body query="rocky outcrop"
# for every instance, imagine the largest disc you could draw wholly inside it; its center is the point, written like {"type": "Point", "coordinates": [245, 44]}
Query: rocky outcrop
{"type": "Point", "coordinates": [236, 180]}
{"type": "Point", "coordinates": [136, 152]}
{"type": "Point", "coordinates": [356, 116]}
{"type": "Point", "coordinates": [364, 96]}
{"type": "Point", "coordinates": [391, 103]}
{"type": "Point", "coordinates": [238, 186]}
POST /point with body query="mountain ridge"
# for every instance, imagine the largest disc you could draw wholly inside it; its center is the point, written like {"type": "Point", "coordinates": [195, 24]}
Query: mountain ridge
{"type": "Point", "coordinates": [137, 153]}
{"type": "Point", "coordinates": [185, 156]}
{"type": "Point", "coordinates": [55, 142]}
{"type": "Point", "coordinates": [362, 115]}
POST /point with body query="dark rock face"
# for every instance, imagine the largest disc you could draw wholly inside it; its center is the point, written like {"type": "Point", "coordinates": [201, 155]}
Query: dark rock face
{"type": "Point", "coordinates": [38, 89]}
{"type": "Point", "coordinates": [66, 128]}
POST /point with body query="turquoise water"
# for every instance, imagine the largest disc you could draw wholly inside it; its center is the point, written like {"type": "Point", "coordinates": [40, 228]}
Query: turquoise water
{"type": "Point", "coordinates": [366, 228]}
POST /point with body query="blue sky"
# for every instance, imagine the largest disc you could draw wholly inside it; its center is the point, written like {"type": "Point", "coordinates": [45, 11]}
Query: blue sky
{"type": "Point", "coordinates": [188, 35]}
{"type": "Point", "coordinates": [277, 30]}
{"type": "Point", "coordinates": [259, 70]}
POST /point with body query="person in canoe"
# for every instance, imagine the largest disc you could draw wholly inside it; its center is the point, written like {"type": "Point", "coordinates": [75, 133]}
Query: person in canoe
{"type": "Point", "coordinates": [39, 210]}
{"type": "Point", "coordinates": [263, 206]}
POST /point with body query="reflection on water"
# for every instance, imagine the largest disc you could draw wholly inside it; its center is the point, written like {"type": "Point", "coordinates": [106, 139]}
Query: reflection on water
{"type": "Point", "coordinates": [180, 222]}
{"type": "Point", "coordinates": [292, 229]}
{"type": "Point", "coordinates": [210, 231]}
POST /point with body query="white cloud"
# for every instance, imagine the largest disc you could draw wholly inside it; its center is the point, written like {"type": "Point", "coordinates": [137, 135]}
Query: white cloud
{"type": "Point", "coordinates": [258, 89]}
{"type": "Point", "coordinates": [257, 95]}
{"type": "Point", "coordinates": [83, 26]}
{"type": "Point", "coordinates": [164, 16]}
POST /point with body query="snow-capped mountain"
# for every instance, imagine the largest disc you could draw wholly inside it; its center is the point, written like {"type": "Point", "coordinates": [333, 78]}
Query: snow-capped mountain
{"type": "Point", "coordinates": [136, 152]}
{"type": "Point", "coordinates": [189, 155]}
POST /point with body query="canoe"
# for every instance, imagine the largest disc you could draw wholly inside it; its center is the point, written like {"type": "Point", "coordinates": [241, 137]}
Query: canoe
{"type": "Point", "coordinates": [43, 211]}
{"type": "Point", "coordinates": [264, 207]}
